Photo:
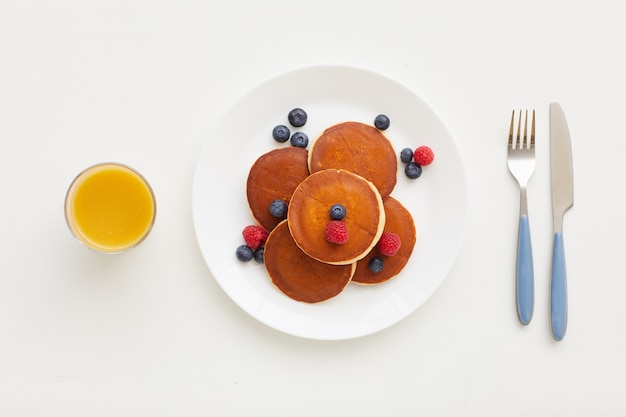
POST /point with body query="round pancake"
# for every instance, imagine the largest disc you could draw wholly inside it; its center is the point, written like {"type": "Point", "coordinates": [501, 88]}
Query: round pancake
{"type": "Point", "coordinates": [299, 276]}
{"type": "Point", "coordinates": [398, 221]}
{"type": "Point", "coordinates": [358, 148]}
{"type": "Point", "coordinates": [308, 215]}
{"type": "Point", "coordinates": [274, 175]}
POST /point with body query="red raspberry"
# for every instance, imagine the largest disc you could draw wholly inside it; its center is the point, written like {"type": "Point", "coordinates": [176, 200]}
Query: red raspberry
{"type": "Point", "coordinates": [423, 156]}
{"type": "Point", "coordinates": [255, 236]}
{"type": "Point", "coordinates": [337, 232]}
{"type": "Point", "coordinates": [389, 244]}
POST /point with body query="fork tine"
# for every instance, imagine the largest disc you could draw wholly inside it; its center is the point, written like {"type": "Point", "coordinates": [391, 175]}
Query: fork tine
{"type": "Point", "coordinates": [511, 130]}
{"type": "Point", "coordinates": [525, 142]}
{"type": "Point", "coordinates": [532, 132]}
{"type": "Point", "coordinates": [519, 130]}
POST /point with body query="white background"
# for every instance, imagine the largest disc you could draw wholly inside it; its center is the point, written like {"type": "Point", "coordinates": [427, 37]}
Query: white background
{"type": "Point", "coordinates": [151, 333]}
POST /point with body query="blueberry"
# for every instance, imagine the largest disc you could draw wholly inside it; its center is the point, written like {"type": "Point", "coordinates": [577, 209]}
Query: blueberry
{"type": "Point", "coordinates": [381, 122]}
{"type": "Point", "coordinates": [300, 140]}
{"type": "Point", "coordinates": [278, 208]}
{"type": "Point", "coordinates": [337, 212]}
{"type": "Point", "coordinates": [406, 155]}
{"type": "Point", "coordinates": [413, 170]}
{"type": "Point", "coordinates": [259, 254]}
{"type": "Point", "coordinates": [244, 253]}
{"type": "Point", "coordinates": [376, 264]}
{"type": "Point", "coordinates": [281, 133]}
{"type": "Point", "coordinates": [297, 117]}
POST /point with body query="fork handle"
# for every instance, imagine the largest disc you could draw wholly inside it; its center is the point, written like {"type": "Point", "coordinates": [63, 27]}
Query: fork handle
{"type": "Point", "coordinates": [524, 280]}
{"type": "Point", "coordinates": [558, 289]}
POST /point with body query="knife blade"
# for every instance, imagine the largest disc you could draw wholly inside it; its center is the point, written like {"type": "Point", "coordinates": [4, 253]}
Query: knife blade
{"type": "Point", "coordinates": [562, 177]}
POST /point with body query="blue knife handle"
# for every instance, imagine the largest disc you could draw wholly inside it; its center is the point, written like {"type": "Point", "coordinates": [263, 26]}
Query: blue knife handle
{"type": "Point", "coordinates": [524, 279]}
{"type": "Point", "coordinates": [558, 289]}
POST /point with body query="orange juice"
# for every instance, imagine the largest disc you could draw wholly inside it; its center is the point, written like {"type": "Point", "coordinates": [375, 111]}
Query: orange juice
{"type": "Point", "coordinates": [110, 208]}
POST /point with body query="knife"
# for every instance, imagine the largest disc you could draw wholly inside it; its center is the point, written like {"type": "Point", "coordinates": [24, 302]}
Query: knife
{"type": "Point", "coordinates": [561, 172]}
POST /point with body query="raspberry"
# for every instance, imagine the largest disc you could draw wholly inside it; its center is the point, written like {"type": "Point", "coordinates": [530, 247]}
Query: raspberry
{"type": "Point", "coordinates": [337, 232]}
{"type": "Point", "coordinates": [254, 236]}
{"type": "Point", "coordinates": [389, 244]}
{"type": "Point", "coordinates": [423, 155]}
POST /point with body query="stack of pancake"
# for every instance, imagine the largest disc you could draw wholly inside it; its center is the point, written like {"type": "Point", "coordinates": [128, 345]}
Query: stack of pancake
{"type": "Point", "coordinates": [352, 164]}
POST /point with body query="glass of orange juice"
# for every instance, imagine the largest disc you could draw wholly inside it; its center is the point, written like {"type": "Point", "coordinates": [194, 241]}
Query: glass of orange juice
{"type": "Point", "coordinates": [110, 208]}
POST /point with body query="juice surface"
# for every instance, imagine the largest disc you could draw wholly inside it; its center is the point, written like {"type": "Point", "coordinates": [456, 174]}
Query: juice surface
{"type": "Point", "coordinates": [110, 208]}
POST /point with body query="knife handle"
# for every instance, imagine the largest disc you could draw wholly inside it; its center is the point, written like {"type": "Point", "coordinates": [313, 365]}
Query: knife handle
{"type": "Point", "coordinates": [524, 279]}
{"type": "Point", "coordinates": [558, 289]}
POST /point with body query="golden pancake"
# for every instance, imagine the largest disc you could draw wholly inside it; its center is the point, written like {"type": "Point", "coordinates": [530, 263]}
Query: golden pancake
{"type": "Point", "coordinates": [358, 148]}
{"type": "Point", "coordinates": [274, 176]}
{"type": "Point", "coordinates": [309, 208]}
{"type": "Point", "coordinates": [398, 221]}
{"type": "Point", "coordinates": [299, 276]}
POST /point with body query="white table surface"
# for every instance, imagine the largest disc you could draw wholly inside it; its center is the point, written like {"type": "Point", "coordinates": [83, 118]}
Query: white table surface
{"type": "Point", "coordinates": [151, 333]}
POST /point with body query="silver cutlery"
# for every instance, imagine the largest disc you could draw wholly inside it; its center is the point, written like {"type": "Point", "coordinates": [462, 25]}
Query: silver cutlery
{"type": "Point", "coordinates": [521, 161]}
{"type": "Point", "coordinates": [561, 172]}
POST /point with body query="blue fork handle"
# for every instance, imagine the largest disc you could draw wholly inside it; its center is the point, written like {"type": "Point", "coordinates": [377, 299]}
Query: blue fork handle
{"type": "Point", "coordinates": [558, 289]}
{"type": "Point", "coordinates": [524, 279]}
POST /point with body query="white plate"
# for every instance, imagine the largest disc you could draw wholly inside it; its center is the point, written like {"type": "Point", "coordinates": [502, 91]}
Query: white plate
{"type": "Point", "coordinates": [329, 94]}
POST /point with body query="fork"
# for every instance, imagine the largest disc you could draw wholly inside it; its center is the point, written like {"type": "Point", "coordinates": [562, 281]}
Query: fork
{"type": "Point", "coordinates": [521, 161]}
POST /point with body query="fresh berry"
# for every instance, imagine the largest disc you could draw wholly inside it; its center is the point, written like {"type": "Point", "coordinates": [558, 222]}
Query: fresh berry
{"type": "Point", "coordinates": [281, 133]}
{"type": "Point", "coordinates": [337, 212]}
{"type": "Point", "coordinates": [278, 208]}
{"type": "Point", "coordinates": [423, 156]}
{"type": "Point", "coordinates": [376, 265]}
{"type": "Point", "coordinates": [254, 236]}
{"type": "Point", "coordinates": [413, 170]}
{"type": "Point", "coordinates": [259, 254]}
{"type": "Point", "coordinates": [300, 140]}
{"type": "Point", "coordinates": [389, 244]}
{"type": "Point", "coordinates": [406, 155]}
{"type": "Point", "coordinates": [244, 253]}
{"type": "Point", "coordinates": [297, 117]}
{"type": "Point", "coordinates": [381, 122]}
{"type": "Point", "coordinates": [337, 232]}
